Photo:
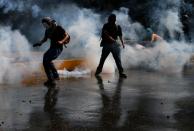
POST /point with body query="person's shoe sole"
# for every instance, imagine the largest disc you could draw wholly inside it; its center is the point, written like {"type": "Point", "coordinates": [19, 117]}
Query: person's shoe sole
{"type": "Point", "coordinates": [97, 74]}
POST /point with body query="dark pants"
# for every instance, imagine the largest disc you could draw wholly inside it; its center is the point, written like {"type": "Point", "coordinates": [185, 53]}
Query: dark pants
{"type": "Point", "coordinates": [49, 67]}
{"type": "Point", "coordinates": [106, 50]}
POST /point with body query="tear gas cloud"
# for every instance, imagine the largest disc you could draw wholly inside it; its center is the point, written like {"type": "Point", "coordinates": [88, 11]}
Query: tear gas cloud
{"type": "Point", "coordinates": [84, 26]}
{"type": "Point", "coordinates": [20, 6]}
{"type": "Point", "coordinates": [165, 56]}
{"type": "Point", "coordinates": [14, 48]}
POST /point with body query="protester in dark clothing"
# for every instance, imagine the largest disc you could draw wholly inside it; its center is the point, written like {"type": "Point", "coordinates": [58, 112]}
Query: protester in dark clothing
{"type": "Point", "coordinates": [110, 34]}
{"type": "Point", "coordinates": [150, 38]}
{"type": "Point", "coordinates": [58, 36]}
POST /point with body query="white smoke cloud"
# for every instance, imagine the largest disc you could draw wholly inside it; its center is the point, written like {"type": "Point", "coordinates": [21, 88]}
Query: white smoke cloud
{"type": "Point", "coordinates": [20, 6]}
{"type": "Point", "coordinates": [84, 26]}
{"type": "Point", "coordinates": [171, 21]}
{"type": "Point", "coordinates": [14, 48]}
{"type": "Point", "coordinates": [35, 10]}
{"type": "Point", "coordinates": [164, 57]}
{"type": "Point", "coordinates": [75, 73]}
{"type": "Point", "coordinates": [166, 18]}
{"type": "Point", "coordinates": [132, 30]}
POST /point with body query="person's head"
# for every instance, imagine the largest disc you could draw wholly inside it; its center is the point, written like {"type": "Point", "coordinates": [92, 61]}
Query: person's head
{"type": "Point", "coordinates": [149, 31]}
{"type": "Point", "coordinates": [48, 22]}
{"type": "Point", "coordinates": [112, 19]}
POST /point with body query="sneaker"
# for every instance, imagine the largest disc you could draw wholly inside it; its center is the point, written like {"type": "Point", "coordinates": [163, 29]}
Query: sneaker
{"type": "Point", "coordinates": [97, 73]}
{"type": "Point", "coordinates": [49, 83]}
{"type": "Point", "coordinates": [57, 78]}
{"type": "Point", "coordinates": [122, 75]}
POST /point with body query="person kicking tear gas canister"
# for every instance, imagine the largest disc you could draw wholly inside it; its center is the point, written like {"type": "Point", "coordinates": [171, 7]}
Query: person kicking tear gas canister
{"type": "Point", "coordinates": [110, 34]}
{"type": "Point", "coordinates": [58, 37]}
{"type": "Point", "coordinates": [150, 38]}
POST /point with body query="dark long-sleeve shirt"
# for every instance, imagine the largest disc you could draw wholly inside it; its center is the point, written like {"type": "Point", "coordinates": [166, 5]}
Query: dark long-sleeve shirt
{"type": "Point", "coordinates": [55, 34]}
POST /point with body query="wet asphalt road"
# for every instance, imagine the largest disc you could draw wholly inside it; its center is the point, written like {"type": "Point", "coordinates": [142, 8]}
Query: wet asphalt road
{"type": "Point", "coordinates": [145, 101]}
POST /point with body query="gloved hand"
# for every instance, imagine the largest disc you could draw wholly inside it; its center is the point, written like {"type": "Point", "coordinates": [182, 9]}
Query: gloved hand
{"type": "Point", "coordinates": [37, 44]}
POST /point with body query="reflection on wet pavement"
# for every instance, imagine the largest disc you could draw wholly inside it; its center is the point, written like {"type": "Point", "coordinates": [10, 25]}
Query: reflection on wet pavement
{"type": "Point", "coordinates": [111, 110]}
{"type": "Point", "coordinates": [145, 101]}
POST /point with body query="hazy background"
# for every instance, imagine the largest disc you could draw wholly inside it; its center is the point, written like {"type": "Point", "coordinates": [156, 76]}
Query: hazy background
{"type": "Point", "coordinates": [20, 27]}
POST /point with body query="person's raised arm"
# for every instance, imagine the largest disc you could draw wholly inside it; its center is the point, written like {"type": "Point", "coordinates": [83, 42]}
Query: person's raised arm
{"type": "Point", "coordinates": [122, 41]}
{"type": "Point", "coordinates": [120, 34]}
{"type": "Point", "coordinates": [155, 37]}
{"type": "Point", "coordinates": [42, 41]}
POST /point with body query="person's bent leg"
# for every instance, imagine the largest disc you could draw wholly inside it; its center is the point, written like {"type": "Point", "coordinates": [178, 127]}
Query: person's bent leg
{"type": "Point", "coordinates": [105, 53]}
{"type": "Point", "coordinates": [46, 64]}
{"type": "Point", "coordinates": [54, 71]}
{"type": "Point", "coordinates": [55, 54]}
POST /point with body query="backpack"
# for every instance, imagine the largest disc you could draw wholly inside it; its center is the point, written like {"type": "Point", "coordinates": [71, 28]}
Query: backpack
{"type": "Point", "coordinates": [67, 41]}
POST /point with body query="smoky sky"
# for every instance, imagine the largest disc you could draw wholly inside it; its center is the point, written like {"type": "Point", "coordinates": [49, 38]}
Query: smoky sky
{"type": "Point", "coordinates": [25, 15]}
